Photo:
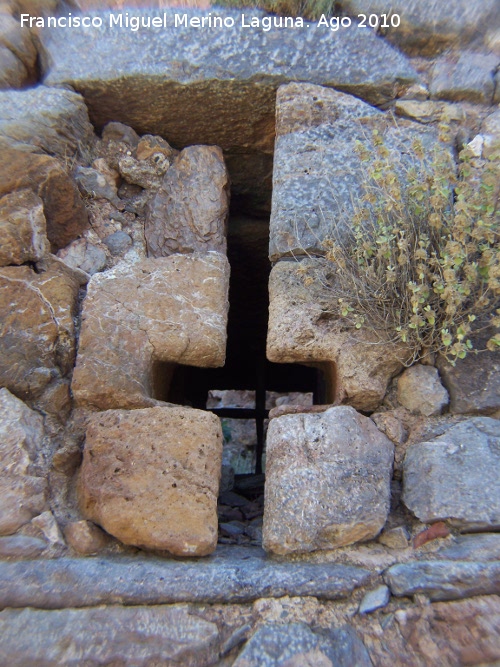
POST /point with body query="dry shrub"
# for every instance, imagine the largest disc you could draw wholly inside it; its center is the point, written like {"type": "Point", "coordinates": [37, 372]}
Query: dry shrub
{"type": "Point", "coordinates": [422, 265]}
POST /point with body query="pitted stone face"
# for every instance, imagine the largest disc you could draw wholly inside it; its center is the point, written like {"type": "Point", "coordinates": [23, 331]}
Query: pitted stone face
{"type": "Point", "coordinates": [189, 211]}
{"type": "Point", "coordinates": [170, 309]}
{"type": "Point", "coordinates": [318, 174]}
{"type": "Point", "coordinates": [151, 477]}
{"type": "Point", "coordinates": [303, 328]}
{"type": "Point", "coordinates": [327, 481]}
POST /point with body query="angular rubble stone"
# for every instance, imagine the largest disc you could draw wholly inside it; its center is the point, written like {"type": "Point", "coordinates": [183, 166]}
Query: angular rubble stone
{"type": "Point", "coordinates": [296, 645]}
{"type": "Point", "coordinates": [223, 101]}
{"type": "Point", "coordinates": [13, 73]}
{"type": "Point", "coordinates": [490, 129]}
{"type": "Point", "coordinates": [171, 309]}
{"type": "Point", "coordinates": [23, 493]}
{"type": "Point", "coordinates": [444, 579]}
{"type": "Point", "coordinates": [469, 78]}
{"type": "Point", "coordinates": [21, 546]}
{"type": "Point", "coordinates": [138, 636]}
{"type": "Point", "coordinates": [232, 574]}
{"type": "Point", "coordinates": [65, 213]}
{"type": "Point", "coordinates": [22, 228]}
{"type": "Point", "coordinates": [464, 632]}
{"type": "Point", "coordinates": [118, 243]}
{"type": "Point", "coordinates": [317, 172]}
{"type": "Point", "coordinates": [429, 27]}
{"type": "Point", "coordinates": [93, 184]}
{"type": "Point", "coordinates": [189, 212]}
{"type": "Point", "coordinates": [37, 330]}
{"type": "Point", "coordinates": [327, 481]}
{"type": "Point", "coordinates": [49, 120]}
{"type": "Point", "coordinates": [474, 382]}
{"type": "Point", "coordinates": [84, 256]}
{"type": "Point", "coordinates": [395, 538]}
{"type": "Point", "coordinates": [375, 599]}
{"type": "Point", "coordinates": [18, 40]}
{"type": "Point", "coordinates": [301, 329]}
{"type": "Point", "coordinates": [150, 171]}
{"type": "Point", "coordinates": [151, 477]}
{"type": "Point", "coordinates": [85, 537]}
{"type": "Point", "coordinates": [420, 390]}
{"type": "Point", "coordinates": [454, 477]}
{"type": "Point", "coordinates": [48, 526]}
{"type": "Point", "coordinates": [429, 111]}
{"type": "Point", "coordinates": [482, 547]}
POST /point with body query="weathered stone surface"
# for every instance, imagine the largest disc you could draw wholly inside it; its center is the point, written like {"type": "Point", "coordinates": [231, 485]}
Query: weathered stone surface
{"type": "Point", "coordinates": [232, 574]}
{"type": "Point", "coordinates": [13, 73]}
{"type": "Point", "coordinates": [474, 382]}
{"type": "Point", "coordinates": [46, 524]}
{"type": "Point", "coordinates": [21, 546]}
{"type": "Point", "coordinates": [108, 636]}
{"type": "Point", "coordinates": [375, 599]}
{"type": "Point", "coordinates": [22, 228]}
{"type": "Point", "coordinates": [171, 309]}
{"type": "Point", "coordinates": [18, 40]}
{"type": "Point", "coordinates": [23, 493]}
{"type": "Point", "coordinates": [94, 184]}
{"type": "Point", "coordinates": [49, 120]}
{"type": "Point", "coordinates": [36, 124]}
{"type": "Point", "coordinates": [448, 634]}
{"type": "Point", "coordinates": [40, 7]}
{"type": "Point", "coordinates": [454, 477]}
{"type": "Point", "coordinates": [84, 256]}
{"type": "Point", "coordinates": [444, 579]}
{"type": "Point", "coordinates": [468, 78]}
{"type": "Point", "coordinates": [151, 477]}
{"type": "Point", "coordinates": [85, 537]}
{"type": "Point", "coordinates": [37, 329]}
{"type": "Point", "coordinates": [482, 547]}
{"type": "Point", "coordinates": [490, 130]}
{"type": "Point", "coordinates": [296, 645]}
{"type": "Point", "coordinates": [118, 243]}
{"type": "Point", "coordinates": [189, 212]}
{"type": "Point", "coordinates": [227, 102]}
{"type": "Point", "coordinates": [317, 172]}
{"type": "Point", "coordinates": [327, 481]}
{"type": "Point", "coordinates": [302, 329]}
{"type": "Point", "coordinates": [420, 390]}
{"type": "Point", "coordinates": [63, 207]}
{"type": "Point", "coordinates": [436, 531]}
{"type": "Point", "coordinates": [430, 26]}
{"type": "Point", "coordinates": [429, 111]}
{"type": "Point", "coordinates": [395, 538]}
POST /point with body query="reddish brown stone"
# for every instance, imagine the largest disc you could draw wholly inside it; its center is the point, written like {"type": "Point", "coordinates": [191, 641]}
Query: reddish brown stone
{"type": "Point", "coordinates": [439, 529]}
{"type": "Point", "coordinates": [63, 207]}
{"type": "Point", "coordinates": [151, 477]}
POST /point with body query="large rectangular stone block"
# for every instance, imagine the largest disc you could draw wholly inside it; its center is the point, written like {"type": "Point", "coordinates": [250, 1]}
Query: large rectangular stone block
{"type": "Point", "coordinates": [151, 477]}
{"type": "Point", "coordinates": [223, 80]}
{"type": "Point", "coordinates": [327, 481]}
{"type": "Point", "coordinates": [170, 309]}
{"type": "Point", "coordinates": [318, 174]}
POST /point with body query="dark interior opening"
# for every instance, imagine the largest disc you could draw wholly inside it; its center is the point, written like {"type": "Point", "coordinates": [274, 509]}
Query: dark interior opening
{"type": "Point", "coordinates": [246, 365]}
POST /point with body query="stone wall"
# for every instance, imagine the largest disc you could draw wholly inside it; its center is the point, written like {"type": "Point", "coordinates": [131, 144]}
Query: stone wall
{"type": "Point", "coordinates": [379, 539]}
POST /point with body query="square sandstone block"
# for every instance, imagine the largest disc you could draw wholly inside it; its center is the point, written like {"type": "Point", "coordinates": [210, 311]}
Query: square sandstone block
{"type": "Point", "coordinates": [151, 477]}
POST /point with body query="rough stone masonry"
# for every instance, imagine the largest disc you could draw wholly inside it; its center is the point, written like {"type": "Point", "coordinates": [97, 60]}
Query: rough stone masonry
{"type": "Point", "coordinates": [120, 152]}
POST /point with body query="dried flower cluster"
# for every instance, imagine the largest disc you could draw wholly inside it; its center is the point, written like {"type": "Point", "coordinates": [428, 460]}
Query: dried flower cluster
{"type": "Point", "coordinates": [423, 262]}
